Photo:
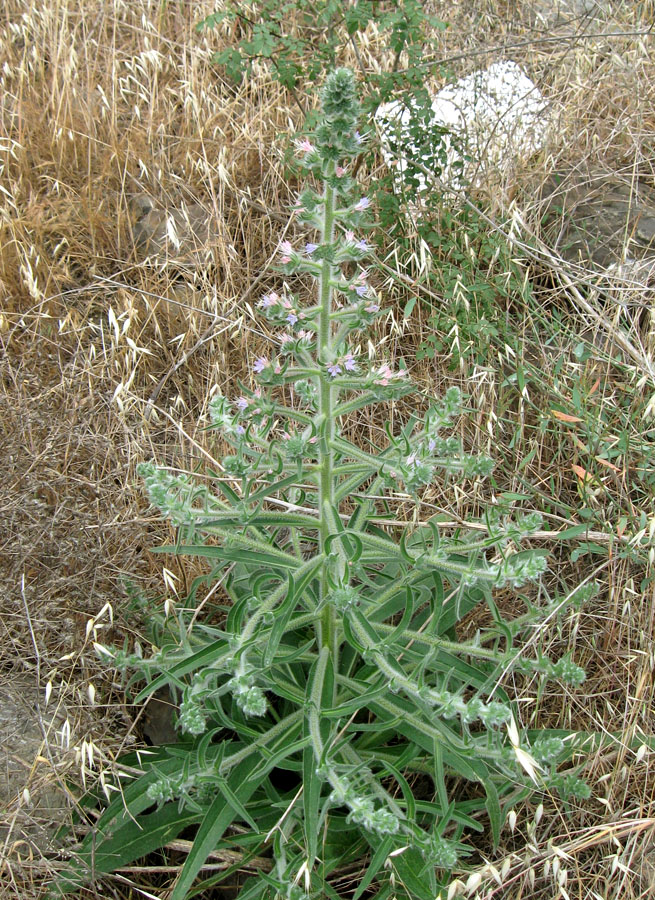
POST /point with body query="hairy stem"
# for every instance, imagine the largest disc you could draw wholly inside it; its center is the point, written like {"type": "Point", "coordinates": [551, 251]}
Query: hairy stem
{"type": "Point", "coordinates": [328, 625]}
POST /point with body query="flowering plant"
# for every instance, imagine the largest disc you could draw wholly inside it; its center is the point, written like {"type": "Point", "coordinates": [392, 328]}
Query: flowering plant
{"type": "Point", "coordinates": [325, 721]}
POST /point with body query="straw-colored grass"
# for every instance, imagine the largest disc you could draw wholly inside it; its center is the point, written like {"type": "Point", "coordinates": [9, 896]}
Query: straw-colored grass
{"type": "Point", "coordinates": [108, 360]}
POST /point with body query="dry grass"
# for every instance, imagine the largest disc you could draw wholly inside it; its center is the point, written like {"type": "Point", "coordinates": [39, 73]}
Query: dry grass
{"type": "Point", "coordinates": [109, 359]}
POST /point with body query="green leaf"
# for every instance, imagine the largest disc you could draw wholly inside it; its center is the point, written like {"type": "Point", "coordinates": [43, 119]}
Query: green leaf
{"type": "Point", "coordinates": [588, 547]}
{"type": "Point", "coordinates": [282, 615]}
{"type": "Point", "coordinates": [232, 554]}
{"type": "Point", "coordinates": [232, 799]}
{"type": "Point", "coordinates": [233, 61]}
{"type": "Point", "coordinates": [212, 20]}
{"type": "Point", "coordinates": [312, 786]}
{"type": "Point", "coordinates": [268, 519]}
{"type": "Point", "coordinates": [417, 879]}
{"type": "Point", "coordinates": [273, 488]}
{"type": "Point", "coordinates": [438, 775]}
{"type": "Point", "coordinates": [348, 707]}
{"type": "Point", "coordinates": [134, 839]}
{"type": "Point", "coordinates": [409, 306]}
{"type": "Point", "coordinates": [494, 810]}
{"type": "Point", "coordinates": [219, 816]}
{"type": "Point", "coordinates": [263, 42]}
{"type": "Point", "coordinates": [320, 684]}
{"type": "Point", "coordinates": [374, 866]}
{"type": "Point", "coordinates": [573, 532]}
{"type": "Point", "coordinates": [205, 658]}
{"type": "Point", "coordinates": [272, 760]}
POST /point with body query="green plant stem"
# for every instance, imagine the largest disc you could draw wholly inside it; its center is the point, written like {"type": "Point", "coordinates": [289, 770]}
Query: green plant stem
{"type": "Point", "coordinates": [435, 730]}
{"type": "Point", "coordinates": [283, 726]}
{"type": "Point", "coordinates": [430, 640]}
{"type": "Point", "coordinates": [328, 636]}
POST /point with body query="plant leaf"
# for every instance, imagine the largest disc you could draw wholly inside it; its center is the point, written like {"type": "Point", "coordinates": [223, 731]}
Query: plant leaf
{"type": "Point", "coordinates": [133, 840]}
{"type": "Point", "coordinates": [219, 816]}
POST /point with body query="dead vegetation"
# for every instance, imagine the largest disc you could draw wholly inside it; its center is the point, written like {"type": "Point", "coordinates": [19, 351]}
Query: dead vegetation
{"type": "Point", "coordinates": [111, 346]}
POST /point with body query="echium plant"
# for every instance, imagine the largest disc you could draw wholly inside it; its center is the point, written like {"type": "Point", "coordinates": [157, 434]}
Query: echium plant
{"type": "Point", "coordinates": [328, 719]}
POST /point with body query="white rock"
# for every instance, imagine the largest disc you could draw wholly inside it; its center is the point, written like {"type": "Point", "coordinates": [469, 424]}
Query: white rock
{"type": "Point", "coordinates": [481, 124]}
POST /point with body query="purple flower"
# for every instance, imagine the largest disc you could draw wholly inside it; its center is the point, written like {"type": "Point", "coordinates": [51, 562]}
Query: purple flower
{"type": "Point", "coordinates": [242, 403]}
{"type": "Point", "coordinates": [285, 338]}
{"type": "Point", "coordinates": [305, 146]}
{"type": "Point", "coordinates": [334, 369]}
{"type": "Point", "coordinates": [309, 248]}
{"type": "Point", "coordinates": [349, 363]}
{"type": "Point", "coordinates": [431, 444]}
{"type": "Point", "coordinates": [362, 245]}
{"type": "Point", "coordinates": [364, 203]}
{"type": "Point", "coordinates": [260, 364]}
{"type": "Point", "coordinates": [372, 308]}
{"type": "Point", "coordinates": [384, 373]}
{"type": "Point", "coordinates": [286, 250]}
{"type": "Point", "coordinates": [240, 429]}
{"type": "Point", "coordinates": [292, 318]}
{"type": "Point", "coordinates": [361, 290]}
{"type": "Point", "coordinates": [269, 300]}
{"type": "Point", "coordinates": [358, 137]}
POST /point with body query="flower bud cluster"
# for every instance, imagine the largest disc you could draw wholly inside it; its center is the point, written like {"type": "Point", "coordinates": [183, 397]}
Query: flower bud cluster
{"type": "Point", "coordinates": [173, 495]}
{"type": "Point", "coordinates": [249, 698]}
{"type": "Point", "coordinates": [438, 851]}
{"type": "Point", "coordinates": [169, 787]}
{"type": "Point", "coordinates": [336, 136]}
{"type": "Point", "coordinates": [492, 714]}
{"type": "Point", "coordinates": [306, 392]}
{"type": "Point", "coordinates": [547, 750]}
{"type": "Point", "coordinates": [503, 528]}
{"type": "Point", "coordinates": [240, 420]}
{"type": "Point", "coordinates": [192, 716]}
{"type": "Point", "coordinates": [345, 597]}
{"type": "Point", "coordinates": [362, 809]}
{"type": "Point", "coordinates": [519, 569]}
{"type": "Point", "coordinates": [286, 310]}
{"type": "Point", "coordinates": [567, 671]}
{"type": "Point", "coordinates": [188, 788]}
{"type": "Point", "coordinates": [298, 447]}
{"type": "Point", "coordinates": [417, 469]}
{"type": "Point", "coordinates": [564, 669]}
{"type": "Point", "coordinates": [569, 785]}
{"type": "Point", "coordinates": [441, 414]}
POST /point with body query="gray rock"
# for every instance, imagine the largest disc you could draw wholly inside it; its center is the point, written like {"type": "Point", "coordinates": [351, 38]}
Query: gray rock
{"type": "Point", "coordinates": [480, 125]}
{"type": "Point", "coordinates": [32, 802]}
{"type": "Point", "coordinates": [600, 220]}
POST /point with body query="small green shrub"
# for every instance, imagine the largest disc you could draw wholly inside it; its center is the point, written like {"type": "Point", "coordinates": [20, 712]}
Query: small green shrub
{"type": "Point", "coordinates": [331, 717]}
{"type": "Point", "coordinates": [303, 39]}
